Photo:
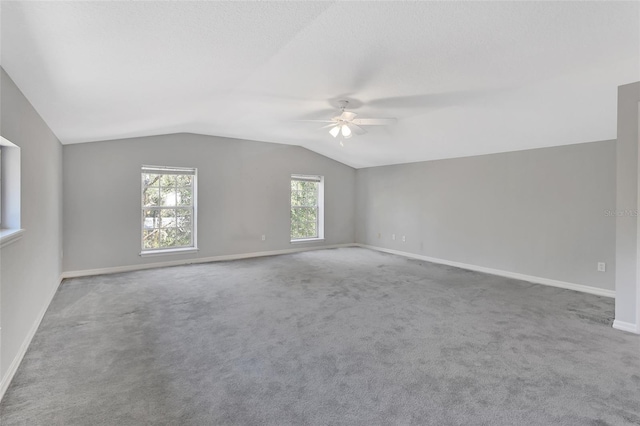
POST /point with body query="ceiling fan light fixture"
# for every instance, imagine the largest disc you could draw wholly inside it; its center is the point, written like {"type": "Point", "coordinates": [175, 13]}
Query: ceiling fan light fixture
{"type": "Point", "coordinates": [346, 125]}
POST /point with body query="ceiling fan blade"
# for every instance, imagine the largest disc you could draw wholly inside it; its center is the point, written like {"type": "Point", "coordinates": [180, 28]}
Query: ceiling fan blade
{"type": "Point", "coordinates": [357, 129]}
{"type": "Point", "coordinates": [328, 125]}
{"type": "Point", "coordinates": [374, 121]}
{"type": "Point", "coordinates": [434, 100]}
{"type": "Point", "coordinates": [347, 115]}
{"type": "Point", "coordinates": [319, 114]}
{"type": "Point", "coordinates": [316, 121]}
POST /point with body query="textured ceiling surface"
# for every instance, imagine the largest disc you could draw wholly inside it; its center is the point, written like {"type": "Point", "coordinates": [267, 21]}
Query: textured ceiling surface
{"type": "Point", "coordinates": [462, 78]}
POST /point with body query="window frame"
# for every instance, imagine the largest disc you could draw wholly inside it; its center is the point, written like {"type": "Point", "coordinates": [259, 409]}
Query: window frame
{"type": "Point", "coordinates": [10, 193]}
{"type": "Point", "coordinates": [319, 207]}
{"type": "Point", "coordinates": [166, 170]}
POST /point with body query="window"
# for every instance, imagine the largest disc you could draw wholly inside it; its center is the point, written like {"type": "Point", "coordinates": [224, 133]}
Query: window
{"type": "Point", "coordinates": [307, 208]}
{"type": "Point", "coordinates": [168, 209]}
{"type": "Point", "coordinates": [9, 192]}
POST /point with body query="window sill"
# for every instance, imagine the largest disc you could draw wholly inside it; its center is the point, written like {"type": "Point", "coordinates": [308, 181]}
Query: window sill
{"type": "Point", "coordinates": [163, 252]}
{"type": "Point", "coordinates": [307, 240]}
{"type": "Point", "coordinates": [8, 236]}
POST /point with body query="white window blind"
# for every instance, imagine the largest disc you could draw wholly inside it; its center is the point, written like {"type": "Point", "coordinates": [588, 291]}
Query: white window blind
{"type": "Point", "coordinates": [162, 170]}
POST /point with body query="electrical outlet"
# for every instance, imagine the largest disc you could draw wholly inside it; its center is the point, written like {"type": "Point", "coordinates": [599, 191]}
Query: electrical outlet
{"type": "Point", "coordinates": [379, 235]}
{"type": "Point", "coordinates": [404, 239]}
{"type": "Point", "coordinates": [393, 237]}
{"type": "Point", "coordinates": [602, 267]}
{"type": "Point", "coordinates": [264, 237]}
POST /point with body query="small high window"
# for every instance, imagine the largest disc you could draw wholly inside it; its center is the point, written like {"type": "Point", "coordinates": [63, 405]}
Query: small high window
{"type": "Point", "coordinates": [168, 209]}
{"type": "Point", "coordinates": [307, 207]}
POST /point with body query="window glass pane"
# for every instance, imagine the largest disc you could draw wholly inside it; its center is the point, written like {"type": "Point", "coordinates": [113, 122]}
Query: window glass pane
{"type": "Point", "coordinates": [312, 199]}
{"type": "Point", "coordinates": [167, 218]}
{"type": "Point", "coordinates": [168, 237]}
{"type": "Point", "coordinates": [183, 237]}
{"type": "Point", "coordinates": [304, 193]}
{"type": "Point", "coordinates": [150, 179]}
{"type": "Point", "coordinates": [296, 229]}
{"type": "Point", "coordinates": [167, 213]}
{"type": "Point", "coordinates": [296, 198]}
{"type": "Point", "coordinates": [168, 222]}
{"type": "Point", "coordinates": [184, 180]}
{"type": "Point", "coordinates": [301, 214]}
{"type": "Point", "coordinates": [169, 196]}
{"type": "Point", "coordinates": [150, 197]}
{"type": "Point", "coordinates": [168, 180]}
{"type": "Point", "coordinates": [184, 196]}
{"type": "Point", "coordinates": [183, 219]}
{"type": "Point", "coordinates": [151, 219]}
{"type": "Point", "coordinates": [311, 215]}
{"type": "Point", "coordinates": [150, 239]}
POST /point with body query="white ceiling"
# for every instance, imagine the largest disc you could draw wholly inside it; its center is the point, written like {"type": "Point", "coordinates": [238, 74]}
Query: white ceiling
{"type": "Point", "coordinates": [463, 78]}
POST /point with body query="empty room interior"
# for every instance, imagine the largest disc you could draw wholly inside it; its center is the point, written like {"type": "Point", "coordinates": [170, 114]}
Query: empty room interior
{"type": "Point", "coordinates": [319, 213]}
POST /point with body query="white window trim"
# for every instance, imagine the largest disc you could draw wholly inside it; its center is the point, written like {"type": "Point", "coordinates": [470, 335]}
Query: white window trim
{"type": "Point", "coordinates": [320, 225]}
{"type": "Point", "coordinates": [10, 229]}
{"type": "Point", "coordinates": [307, 240]}
{"type": "Point", "coordinates": [162, 252]}
{"type": "Point", "coordinates": [194, 232]}
{"type": "Point", "coordinates": [8, 236]}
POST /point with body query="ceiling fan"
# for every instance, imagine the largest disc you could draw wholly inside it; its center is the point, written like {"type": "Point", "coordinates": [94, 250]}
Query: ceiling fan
{"type": "Point", "coordinates": [346, 124]}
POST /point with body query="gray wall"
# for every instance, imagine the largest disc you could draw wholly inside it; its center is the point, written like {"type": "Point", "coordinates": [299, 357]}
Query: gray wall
{"type": "Point", "coordinates": [539, 212]}
{"type": "Point", "coordinates": [627, 233]}
{"type": "Point", "coordinates": [30, 267]}
{"type": "Point", "coordinates": [243, 192]}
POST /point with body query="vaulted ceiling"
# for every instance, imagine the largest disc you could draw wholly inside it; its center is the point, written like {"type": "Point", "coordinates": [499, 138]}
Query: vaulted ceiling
{"type": "Point", "coordinates": [462, 78]}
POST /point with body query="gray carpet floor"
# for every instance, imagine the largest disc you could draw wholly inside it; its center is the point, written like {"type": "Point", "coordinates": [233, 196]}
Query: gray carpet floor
{"type": "Point", "coordinates": [334, 337]}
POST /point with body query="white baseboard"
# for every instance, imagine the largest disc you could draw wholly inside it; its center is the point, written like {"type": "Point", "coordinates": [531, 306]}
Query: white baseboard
{"type": "Point", "coordinates": [128, 268]}
{"type": "Point", "coordinates": [538, 280]}
{"type": "Point", "coordinates": [626, 326]}
{"type": "Point", "coordinates": [13, 368]}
